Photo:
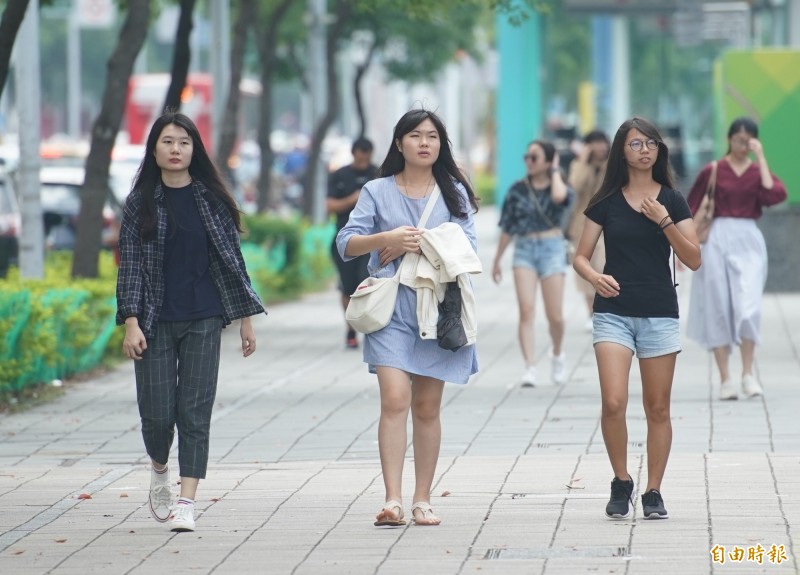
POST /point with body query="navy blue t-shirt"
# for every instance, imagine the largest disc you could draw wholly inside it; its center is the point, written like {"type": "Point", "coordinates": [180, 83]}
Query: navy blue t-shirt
{"type": "Point", "coordinates": [189, 289]}
{"type": "Point", "coordinates": [637, 256]}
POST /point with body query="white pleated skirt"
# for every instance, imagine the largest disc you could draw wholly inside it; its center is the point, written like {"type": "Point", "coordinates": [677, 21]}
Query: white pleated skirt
{"type": "Point", "coordinates": [726, 294]}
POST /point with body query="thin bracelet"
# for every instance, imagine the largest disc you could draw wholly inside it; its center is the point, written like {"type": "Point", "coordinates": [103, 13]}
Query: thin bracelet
{"type": "Point", "coordinates": [666, 226]}
{"type": "Point", "coordinates": [661, 223]}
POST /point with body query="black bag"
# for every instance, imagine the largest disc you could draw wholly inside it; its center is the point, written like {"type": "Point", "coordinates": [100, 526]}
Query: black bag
{"type": "Point", "coordinates": [449, 329]}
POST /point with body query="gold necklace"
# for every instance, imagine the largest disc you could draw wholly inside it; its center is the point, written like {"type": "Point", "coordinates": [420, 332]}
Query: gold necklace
{"type": "Point", "coordinates": [404, 189]}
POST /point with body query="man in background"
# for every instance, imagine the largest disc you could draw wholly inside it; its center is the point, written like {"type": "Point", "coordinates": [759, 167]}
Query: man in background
{"type": "Point", "coordinates": [344, 186]}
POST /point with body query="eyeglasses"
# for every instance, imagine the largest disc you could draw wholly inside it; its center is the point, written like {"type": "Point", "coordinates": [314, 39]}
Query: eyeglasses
{"type": "Point", "coordinates": [637, 145]}
{"type": "Point", "coordinates": [532, 157]}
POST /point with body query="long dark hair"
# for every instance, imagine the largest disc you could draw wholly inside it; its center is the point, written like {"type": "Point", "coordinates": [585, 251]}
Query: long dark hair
{"type": "Point", "coordinates": [616, 176]}
{"type": "Point", "coordinates": [445, 170]}
{"type": "Point", "coordinates": [742, 123]}
{"type": "Point", "coordinates": [201, 168]}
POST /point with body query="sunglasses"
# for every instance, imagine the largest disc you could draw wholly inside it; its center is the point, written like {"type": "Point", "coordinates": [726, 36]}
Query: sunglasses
{"type": "Point", "coordinates": [532, 157]}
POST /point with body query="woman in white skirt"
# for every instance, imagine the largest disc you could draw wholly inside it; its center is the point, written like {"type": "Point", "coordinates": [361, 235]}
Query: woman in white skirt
{"type": "Point", "coordinates": [725, 306]}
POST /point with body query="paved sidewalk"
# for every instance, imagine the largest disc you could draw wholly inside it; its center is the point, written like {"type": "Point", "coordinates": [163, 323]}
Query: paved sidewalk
{"type": "Point", "coordinates": [294, 480]}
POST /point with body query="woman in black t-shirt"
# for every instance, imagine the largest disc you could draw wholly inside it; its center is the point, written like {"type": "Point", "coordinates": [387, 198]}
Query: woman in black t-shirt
{"type": "Point", "coordinates": [641, 218]}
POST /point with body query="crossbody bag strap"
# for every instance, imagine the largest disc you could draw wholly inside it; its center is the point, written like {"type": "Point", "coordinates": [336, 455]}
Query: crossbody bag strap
{"type": "Point", "coordinates": [426, 213]}
{"type": "Point", "coordinates": [538, 206]}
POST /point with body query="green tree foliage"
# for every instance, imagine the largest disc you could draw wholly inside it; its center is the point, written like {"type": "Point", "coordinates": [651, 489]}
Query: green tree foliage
{"type": "Point", "coordinates": [566, 53]}
{"type": "Point", "coordinates": [662, 73]}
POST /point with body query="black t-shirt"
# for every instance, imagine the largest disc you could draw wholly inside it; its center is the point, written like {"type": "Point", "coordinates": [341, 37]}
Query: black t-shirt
{"type": "Point", "coordinates": [637, 256]}
{"type": "Point", "coordinates": [344, 182]}
{"type": "Point", "coordinates": [189, 289]}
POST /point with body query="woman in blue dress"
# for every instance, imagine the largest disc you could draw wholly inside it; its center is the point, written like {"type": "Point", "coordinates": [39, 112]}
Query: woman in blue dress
{"type": "Point", "coordinates": [411, 370]}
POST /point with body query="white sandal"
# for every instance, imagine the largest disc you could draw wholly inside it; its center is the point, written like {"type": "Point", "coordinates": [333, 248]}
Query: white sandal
{"type": "Point", "coordinates": [427, 513]}
{"type": "Point", "coordinates": [395, 507]}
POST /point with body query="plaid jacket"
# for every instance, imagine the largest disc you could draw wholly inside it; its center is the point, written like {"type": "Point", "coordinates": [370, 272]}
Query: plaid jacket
{"type": "Point", "coordinates": [140, 280]}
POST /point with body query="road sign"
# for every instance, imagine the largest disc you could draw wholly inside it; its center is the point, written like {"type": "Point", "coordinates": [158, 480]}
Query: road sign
{"type": "Point", "coordinates": [629, 7]}
{"type": "Point", "coordinates": [728, 21]}
{"type": "Point", "coordinates": [96, 13]}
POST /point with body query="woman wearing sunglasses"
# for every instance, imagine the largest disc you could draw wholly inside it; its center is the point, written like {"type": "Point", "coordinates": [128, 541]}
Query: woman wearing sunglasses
{"type": "Point", "coordinates": [533, 211]}
{"type": "Point", "coordinates": [642, 218]}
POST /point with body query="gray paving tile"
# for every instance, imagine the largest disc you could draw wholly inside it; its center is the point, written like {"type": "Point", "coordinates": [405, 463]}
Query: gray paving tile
{"type": "Point", "coordinates": [294, 479]}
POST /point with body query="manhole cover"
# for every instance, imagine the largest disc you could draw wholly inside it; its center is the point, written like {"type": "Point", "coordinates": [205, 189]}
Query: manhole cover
{"type": "Point", "coordinates": [557, 552]}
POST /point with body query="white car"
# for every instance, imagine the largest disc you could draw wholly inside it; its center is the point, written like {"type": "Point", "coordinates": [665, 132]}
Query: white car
{"type": "Point", "coordinates": [61, 203]}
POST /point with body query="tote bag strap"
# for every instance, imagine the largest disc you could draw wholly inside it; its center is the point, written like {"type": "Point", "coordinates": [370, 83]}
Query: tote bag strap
{"type": "Point", "coordinates": [711, 187]}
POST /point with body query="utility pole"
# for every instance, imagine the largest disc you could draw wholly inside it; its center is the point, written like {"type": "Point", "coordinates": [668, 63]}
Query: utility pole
{"type": "Point", "coordinates": [620, 88]}
{"type": "Point", "coordinates": [73, 73]}
{"type": "Point", "coordinates": [220, 67]}
{"type": "Point", "coordinates": [28, 92]}
{"type": "Point", "coordinates": [794, 23]}
{"type": "Point", "coordinates": [316, 81]}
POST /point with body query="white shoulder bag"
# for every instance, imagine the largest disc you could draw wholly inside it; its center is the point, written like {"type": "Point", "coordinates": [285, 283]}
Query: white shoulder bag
{"type": "Point", "coordinates": [372, 304]}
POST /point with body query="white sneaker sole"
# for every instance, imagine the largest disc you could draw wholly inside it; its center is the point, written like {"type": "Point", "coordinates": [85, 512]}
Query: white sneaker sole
{"type": "Point", "coordinates": [155, 515]}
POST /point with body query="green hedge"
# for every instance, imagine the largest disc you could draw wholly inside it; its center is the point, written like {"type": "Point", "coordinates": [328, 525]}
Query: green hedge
{"type": "Point", "coordinates": [286, 258]}
{"type": "Point", "coordinates": [485, 184]}
{"type": "Point", "coordinates": [57, 327]}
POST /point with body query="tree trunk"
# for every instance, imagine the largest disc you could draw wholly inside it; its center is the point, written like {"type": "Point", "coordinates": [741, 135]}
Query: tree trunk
{"type": "Point", "coordinates": [12, 19]}
{"type": "Point", "coordinates": [266, 51]}
{"type": "Point", "coordinates": [230, 124]}
{"type": "Point", "coordinates": [181, 57]}
{"type": "Point", "coordinates": [104, 132]}
{"type": "Point", "coordinates": [342, 12]}
{"type": "Point", "coordinates": [361, 69]}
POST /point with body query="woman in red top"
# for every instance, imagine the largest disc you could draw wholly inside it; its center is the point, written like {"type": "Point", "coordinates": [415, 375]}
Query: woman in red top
{"type": "Point", "coordinates": [725, 306]}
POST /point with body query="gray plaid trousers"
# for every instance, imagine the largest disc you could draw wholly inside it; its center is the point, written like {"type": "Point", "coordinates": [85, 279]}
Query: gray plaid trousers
{"type": "Point", "coordinates": [176, 383]}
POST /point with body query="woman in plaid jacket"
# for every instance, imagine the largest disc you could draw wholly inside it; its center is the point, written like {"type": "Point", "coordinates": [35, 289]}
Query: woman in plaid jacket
{"type": "Point", "coordinates": [181, 279]}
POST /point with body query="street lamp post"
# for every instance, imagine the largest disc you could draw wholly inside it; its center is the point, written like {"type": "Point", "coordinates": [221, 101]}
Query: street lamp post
{"type": "Point", "coordinates": [28, 92]}
{"type": "Point", "coordinates": [220, 66]}
{"type": "Point", "coordinates": [316, 80]}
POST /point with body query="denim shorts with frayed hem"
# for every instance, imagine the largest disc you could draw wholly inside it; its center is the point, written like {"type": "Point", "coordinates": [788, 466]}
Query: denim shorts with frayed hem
{"type": "Point", "coordinates": [646, 336]}
{"type": "Point", "coordinates": [545, 256]}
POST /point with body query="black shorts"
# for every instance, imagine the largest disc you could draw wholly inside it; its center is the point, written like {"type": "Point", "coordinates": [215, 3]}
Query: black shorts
{"type": "Point", "coordinates": [351, 273]}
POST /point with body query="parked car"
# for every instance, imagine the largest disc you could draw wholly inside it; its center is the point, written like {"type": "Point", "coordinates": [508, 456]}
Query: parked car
{"type": "Point", "coordinates": [61, 204]}
{"type": "Point", "coordinates": [9, 223]}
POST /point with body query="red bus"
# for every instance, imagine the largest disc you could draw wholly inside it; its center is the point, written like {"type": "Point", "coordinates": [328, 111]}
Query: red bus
{"type": "Point", "coordinates": [145, 101]}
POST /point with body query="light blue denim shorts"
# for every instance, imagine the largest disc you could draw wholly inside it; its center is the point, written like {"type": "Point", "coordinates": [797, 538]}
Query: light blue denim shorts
{"type": "Point", "coordinates": [646, 336]}
{"type": "Point", "coordinates": [545, 256]}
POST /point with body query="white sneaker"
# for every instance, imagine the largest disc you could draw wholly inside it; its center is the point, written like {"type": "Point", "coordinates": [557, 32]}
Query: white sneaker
{"type": "Point", "coordinates": [182, 518]}
{"type": "Point", "coordinates": [559, 368]}
{"type": "Point", "coordinates": [160, 501]}
{"type": "Point", "coordinates": [529, 376]}
{"type": "Point", "coordinates": [728, 391]}
{"type": "Point", "coordinates": [751, 387]}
